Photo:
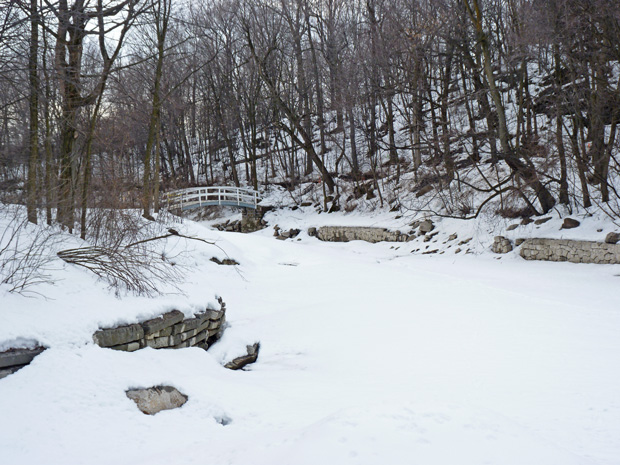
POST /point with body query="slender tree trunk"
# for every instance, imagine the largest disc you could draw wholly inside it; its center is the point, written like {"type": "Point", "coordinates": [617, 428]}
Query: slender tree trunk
{"type": "Point", "coordinates": [33, 159]}
{"type": "Point", "coordinates": [162, 14]}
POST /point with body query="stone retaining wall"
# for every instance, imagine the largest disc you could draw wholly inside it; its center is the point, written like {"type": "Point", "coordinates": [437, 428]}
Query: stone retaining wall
{"type": "Point", "coordinates": [359, 233]}
{"type": "Point", "coordinates": [564, 250]}
{"type": "Point", "coordinates": [171, 330]}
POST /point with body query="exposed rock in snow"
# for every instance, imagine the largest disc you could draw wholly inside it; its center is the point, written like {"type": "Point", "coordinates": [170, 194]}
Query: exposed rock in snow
{"type": "Point", "coordinates": [155, 399]}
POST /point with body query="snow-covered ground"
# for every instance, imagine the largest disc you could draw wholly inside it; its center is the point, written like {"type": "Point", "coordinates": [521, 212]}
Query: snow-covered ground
{"type": "Point", "coordinates": [369, 354]}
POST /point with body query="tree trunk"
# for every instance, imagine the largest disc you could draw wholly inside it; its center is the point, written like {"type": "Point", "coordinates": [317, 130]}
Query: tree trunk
{"type": "Point", "coordinates": [33, 159]}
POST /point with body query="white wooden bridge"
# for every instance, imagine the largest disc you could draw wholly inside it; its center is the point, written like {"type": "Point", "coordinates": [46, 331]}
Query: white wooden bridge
{"type": "Point", "coordinates": [196, 197]}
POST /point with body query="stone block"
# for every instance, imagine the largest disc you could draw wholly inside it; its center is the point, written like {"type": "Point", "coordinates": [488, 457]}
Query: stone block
{"type": "Point", "coordinates": [129, 347]}
{"type": "Point", "coordinates": [14, 357]}
{"type": "Point", "coordinates": [215, 314]}
{"type": "Point", "coordinates": [192, 323]}
{"type": "Point", "coordinates": [158, 342]}
{"type": "Point", "coordinates": [192, 341]}
{"type": "Point", "coordinates": [117, 336]}
{"type": "Point", "coordinates": [182, 345]}
{"type": "Point", "coordinates": [166, 331]}
{"type": "Point", "coordinates": [501, 245]}
{"type": "Point", "coordinates": [4, 372]}
{"type": "Point", "coordinates": [167, 319]}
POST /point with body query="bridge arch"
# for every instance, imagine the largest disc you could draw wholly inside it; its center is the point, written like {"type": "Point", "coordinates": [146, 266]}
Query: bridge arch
{"type": "Point", "coordinates": [196, 197]}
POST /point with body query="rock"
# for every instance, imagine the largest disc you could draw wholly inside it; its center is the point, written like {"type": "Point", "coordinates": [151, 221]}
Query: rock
{"type": "Point", "coordinates": [570, 223]}
{"type": "Point", "coordinates": [465, 241]}
{"type": "Point", "coordinates": [452, 237]}
{"type": "Point", "coordinates": [155, 399]}
{"type": "Point", "coordinates": [526, 221]}
{"type": "Point", "coordinates": [14, 357]}
{"type": "Point", "coordinates": [519, 241]}
{"type": "Point", "coordinates": [501, 245]}
{"type": "Point", "coordinates": [424, 190]}
{"type": "Point", "coordinates": [426, 226]}
{"type": "Point", "coordinates": [312, 232]}
{"type": "Point", "coordinates": [292, 233]}
{"type": "Point", "coordinates": [244, 360]}
{"type": "Point", "coordinates": [4, 372]}
{"type": "Point", "coordinates": [157, 324]}
{"type": "Point", "coordinates": [542, 221]}
{"type": "Point", "coordinates": [459, 250]}
{"type": "Point", "coordinates": [428, 237]}
{"type": "Point", "coordinates": [226, 261]}
{"type": "Point", "coordinates": [129, 347]}
{"type": "Point", "coordinates": [306, 204]}
{"type": "Point", "coordinates": [512, 227]}
{"type": "Point", "coordinates": [612, 238]}
{"type": "Point", "coordinates": [118, 336]}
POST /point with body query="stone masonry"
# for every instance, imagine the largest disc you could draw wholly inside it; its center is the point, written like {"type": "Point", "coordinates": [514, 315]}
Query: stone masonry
{"type": "Point", "coordinates": [170, 330]}
{"type": "Point", "coordinates": [564, 250]}
{"type": "Point", "coordinates": [359, 233]}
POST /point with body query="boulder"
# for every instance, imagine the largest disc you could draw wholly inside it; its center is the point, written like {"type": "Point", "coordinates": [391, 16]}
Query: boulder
{"type": "Point", "coordinates": [540, 221]}
{"type": "Point", "coordinates": [424, 190]}
{"type": "Point", "coordinates": [426, 226]}
{"type": "Point", "coordinates": [157, 398]}
{"type": "Point", "coordinates": [570, 223]}
{"type": "Point", "coordinates": [612, 238]}
{"type": "Point", "coordinates": [512, 227]}
{"type": "Point", "coordinates": [312, 232]}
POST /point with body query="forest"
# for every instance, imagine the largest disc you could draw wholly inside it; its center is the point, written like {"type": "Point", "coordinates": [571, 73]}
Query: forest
{"type": "Point", "coordinates": [108, 103]}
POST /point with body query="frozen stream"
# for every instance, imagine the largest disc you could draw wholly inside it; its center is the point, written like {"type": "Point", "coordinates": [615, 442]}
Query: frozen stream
{"type": "Point", "coordinates": [367, 357]}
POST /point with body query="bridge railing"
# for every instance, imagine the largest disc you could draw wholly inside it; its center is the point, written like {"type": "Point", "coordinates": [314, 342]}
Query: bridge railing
{"type": "Point", "coordinates": [195, 197]}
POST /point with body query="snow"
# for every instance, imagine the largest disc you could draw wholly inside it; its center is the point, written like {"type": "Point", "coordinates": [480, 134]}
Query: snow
{"type": "Point", "coordinates": [369, 354]}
